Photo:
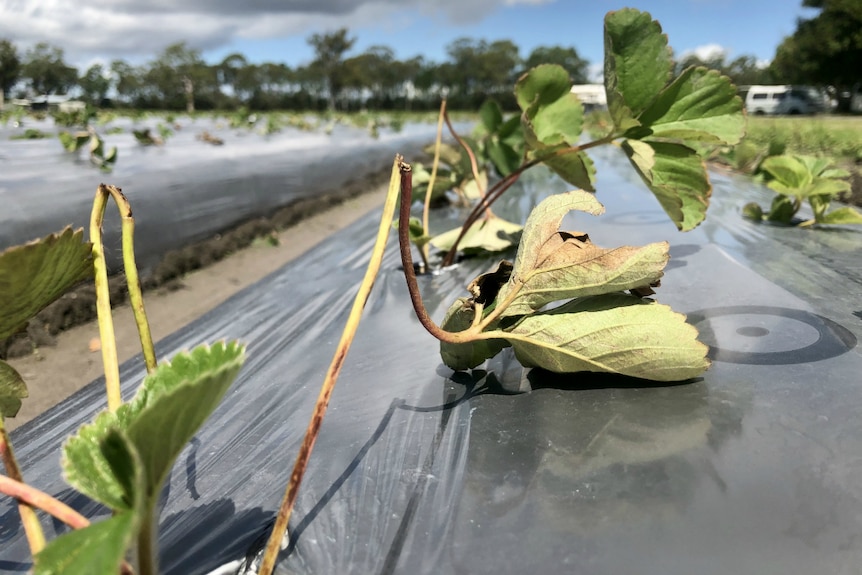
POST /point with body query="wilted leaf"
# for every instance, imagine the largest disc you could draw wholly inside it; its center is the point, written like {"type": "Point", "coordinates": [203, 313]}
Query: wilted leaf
{"type": "Point", "coordinates": [637, 64]}
{"type": "Point", "coordinates": [699, 105]}
{"type": "Point", "coordinates": [492, 234]}
{"type": "Point", "coordinates": [472, 189]}
{"type": "Point", "coordinates": [676, 175]}
{"type": "Point", "coordinates": [35, 274]}
{"type": "Point", "coordinates": [12, 390]}
{"type": "Point", "coordinates": [463, 356]}
{"type": "Point", "coordinates": [614, 333]}
{"type": "Point", "coordinates": [553, 265]}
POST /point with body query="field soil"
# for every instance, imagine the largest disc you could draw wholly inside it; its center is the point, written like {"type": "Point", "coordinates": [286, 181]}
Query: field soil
{"type": "Point", "coordinates": [61, 363]}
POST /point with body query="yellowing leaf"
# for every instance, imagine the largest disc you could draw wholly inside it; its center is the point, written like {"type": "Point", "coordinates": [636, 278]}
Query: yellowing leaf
{"type": "Point", "coordinates": [12, 390]}
{"type": "Point", "coordinates": [492, 234]}
{"type": "Point", "coordinates": [612, 333]}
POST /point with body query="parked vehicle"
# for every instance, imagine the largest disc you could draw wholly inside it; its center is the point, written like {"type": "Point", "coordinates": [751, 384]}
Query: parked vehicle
{"type": "Point", "coordinates": [784, 100]}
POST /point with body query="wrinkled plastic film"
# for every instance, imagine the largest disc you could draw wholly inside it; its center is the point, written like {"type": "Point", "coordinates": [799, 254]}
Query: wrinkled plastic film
{"type": "Point", "coordinates": [751, 468]}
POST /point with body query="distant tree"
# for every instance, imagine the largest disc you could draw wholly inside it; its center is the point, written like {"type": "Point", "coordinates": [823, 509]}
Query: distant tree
{"type": "Point", "coordinates": [10, 66]}
{"type": "Point", "coordinates": [743, 70]}
{"type": "Point", "coordinates": [568, 58]}
{"type": "Point", "coordinates": [377, 71]}
{"type": "Point", "coordinates": [95, 84]}
{"type": "Point", "coordinates": [180, 73]}
{"type": "Point", "coordinates": [46, 71]}
{"type": "Point", "coordinates": [329, 50]}
{"type": "Point", "coordinates": [229, 71]}
{"type": "Point", "coordinates": [127, 81]}
{"type": "Point", "coordinates": [477, 70]}
{"type": "Point", "coordinates": [825, 50]}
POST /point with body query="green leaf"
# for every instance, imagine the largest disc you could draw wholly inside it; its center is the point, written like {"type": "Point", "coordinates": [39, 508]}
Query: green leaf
{"type": "Point", "coordinates": [543, 84]}
{"type": "Point", "coordinates": [504, 157]}
{"type": "Point", "coordinates": [781, 210]}
{"type": "Point", "coordinates": [845, 215]}
{"type": "Point", "coordinates": [576, 168]}
{"type": "Point", "coordinates": [789, 173]}
{"type": "Point", "coordinates": [509, 129]}
{"type": "Point", "coordinates": [491, 115]}
{"type": "Point", "coordinates": [614, 333]}
{"type": "Point", "coordinates": [676, 175]}
{"type": "Point", "coordinates": [637, 64]}
{"type": "Point", "coordinates": [492, 234]}
{"type": "Point", "coordinates": [35, 274]}
{"type": "Point", "coordinates": [553, 265]}
{"type": "Point", "coordinates": [463, 356]}
{"type": "Point", "coordinates": [421, 177]}
{"type": "Point", "coordinates": [415, 231]}
{"type": "Point", "coordinates": [12, 390]}
{"type": "Point", "coordinates": [174, 401]}
{"type": "Point", "coordinates": [552, 115]}
{"type": "Point", "coordinates": [95, 550]}
{"type": "Point", "coordinates": [699, 105]}
{"type": "Point", "coordinates": [752, 210]}
{"type": "Point", "coordinates": [100, 548]}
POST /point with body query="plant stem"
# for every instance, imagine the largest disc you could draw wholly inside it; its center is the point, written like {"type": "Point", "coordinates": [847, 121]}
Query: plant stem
{"type": "Point", "coordinates": [474, 166]}
{"type": "Point", "coordinates": [103, 298]}
{"type": "Point", "coordinates": [32, 528]}
{"type": "Point", "coordinates": [407, 263]}
{"type": "Point", "coordinates": [427, 205]}
{"type": "Point", "coordinates": [35, 498]}
{"type": "Point", "coordinates": [148, 559]}
{"type": "Point", "coordinates": [495, 191]}
{"type": "Point", "coordinates": [103, 302]}
{"type": "Point", "coordinates": [282, 518]}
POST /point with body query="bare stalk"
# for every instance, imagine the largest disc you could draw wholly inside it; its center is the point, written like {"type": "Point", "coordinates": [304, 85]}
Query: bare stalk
{"type": "Point", "coordinates": [474, 165]}
{"type": "Point", "coordinates": [103, 298]}
{"type": "Point", "coordinates": [283, 517]}
{"type": "Point", "coordinates": [34, 498]}
{"type": "Point", "coordinates": [427, 205]}
{"type": "Point", "coordinates": [407, 261]}
{"type": "Point", "coordinates": [29, 519]}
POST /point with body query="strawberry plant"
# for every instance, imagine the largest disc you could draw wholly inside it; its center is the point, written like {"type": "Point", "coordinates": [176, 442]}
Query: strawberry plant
{"type": "Point", "coordinates": [798, 178]}
{"type": "Point", "coordinates": [564, 304]}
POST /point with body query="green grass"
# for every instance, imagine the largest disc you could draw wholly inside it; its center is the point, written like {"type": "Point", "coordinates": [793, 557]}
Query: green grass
{"type": "Point", "coordinates": [839, 137]}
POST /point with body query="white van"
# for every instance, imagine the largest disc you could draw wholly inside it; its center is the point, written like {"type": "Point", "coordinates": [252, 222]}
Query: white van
{"type": "Point", "coordinates": [783, 100]}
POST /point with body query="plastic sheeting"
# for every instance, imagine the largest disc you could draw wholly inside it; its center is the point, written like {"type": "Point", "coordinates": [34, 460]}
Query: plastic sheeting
{"type": "Point", "coordinates": [753, 468]}
{"type": "Point", "coordinates": [186, 190]}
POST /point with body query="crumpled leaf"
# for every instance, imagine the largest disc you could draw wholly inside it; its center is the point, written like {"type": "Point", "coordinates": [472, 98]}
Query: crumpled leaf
{"type": "Point", "coordinates": [804, 176]}
{"type": "Point", "coordinates": [12, 390]}
{"type": "Point", "coordinates": [463, 356]}
{"type": "Point", "coordinates": [473, 190]}
{"type": "Point", "coordinates": [554, 265]}
{"type": "Point", "coordinates": [700, 104]}
{"type": "Point", "coordinates": [35, 274]}
{"type": "Point", "coordinates": [637, 64]}
{"type": "Point", "coordinates": [492, 234]}
{"type": "Point", "coordinates": [676, 175]}
{"type": "Point", "coordinates": [101, 547]}
{"type": "Point", "coordinates": [614, 333]}
{"type": "Point", "coordinates": [782, 210]}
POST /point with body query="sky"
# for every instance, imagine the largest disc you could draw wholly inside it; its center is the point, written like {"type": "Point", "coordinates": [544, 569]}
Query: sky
{"type": "Point", "coordinates": [98, 31]}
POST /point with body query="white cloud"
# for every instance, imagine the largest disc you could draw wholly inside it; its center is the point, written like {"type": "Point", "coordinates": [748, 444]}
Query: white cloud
{"type": "Point", "coordinates": [109, 29]}
{"type": "Point", "coordinates": [706, 52]}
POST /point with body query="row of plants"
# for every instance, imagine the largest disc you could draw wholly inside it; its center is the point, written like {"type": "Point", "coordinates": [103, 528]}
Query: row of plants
{"type": "Point", "coordinates": [564, 303]}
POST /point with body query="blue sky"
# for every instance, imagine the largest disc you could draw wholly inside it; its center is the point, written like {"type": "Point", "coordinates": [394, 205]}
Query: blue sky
{"type": "Point", "coordinates": [276, 30]}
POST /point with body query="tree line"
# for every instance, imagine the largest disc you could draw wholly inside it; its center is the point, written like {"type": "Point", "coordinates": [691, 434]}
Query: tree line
{"type": "Point", "coordinates": [179, 78]}
{"type": "Point", "coordinates": [823, 51]}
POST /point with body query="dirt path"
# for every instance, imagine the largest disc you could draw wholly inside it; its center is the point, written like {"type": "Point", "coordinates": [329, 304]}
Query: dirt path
{"type": "Point", "coordinates": [54, 372]}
